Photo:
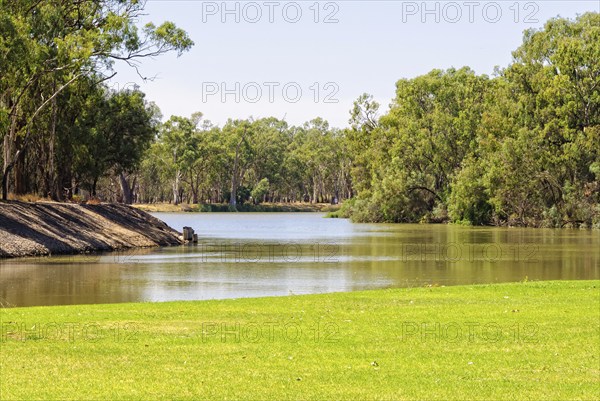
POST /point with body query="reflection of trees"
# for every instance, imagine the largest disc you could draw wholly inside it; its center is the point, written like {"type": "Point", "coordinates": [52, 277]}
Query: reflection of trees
{"type": "Point", "coordinates": [235, 268]}
{"type": "Point", "coordinates": [65, 280]}
{"type": "Point", "coordinates": [422, 255]}
{"type": "Point", "coordinates": [366, 260]}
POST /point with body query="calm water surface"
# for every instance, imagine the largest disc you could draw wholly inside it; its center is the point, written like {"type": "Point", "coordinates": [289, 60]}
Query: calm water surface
{"type": "Point", "coordinates": [266, 254]}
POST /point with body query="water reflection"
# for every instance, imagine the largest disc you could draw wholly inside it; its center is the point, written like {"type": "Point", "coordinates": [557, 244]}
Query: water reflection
{"type": "Point", "coordinates": [248, 255]}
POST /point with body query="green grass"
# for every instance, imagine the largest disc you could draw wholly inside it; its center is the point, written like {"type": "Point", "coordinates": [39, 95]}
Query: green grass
{"type": "Point", "coordinates": [535, 340]}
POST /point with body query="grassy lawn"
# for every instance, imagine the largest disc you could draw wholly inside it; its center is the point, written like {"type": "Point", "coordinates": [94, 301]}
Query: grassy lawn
{"type": "Point", "coordinates": [535, 340]}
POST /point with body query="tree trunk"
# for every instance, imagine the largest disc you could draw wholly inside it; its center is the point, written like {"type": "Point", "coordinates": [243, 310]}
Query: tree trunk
{"type": "Point", "coordinates": [233, 195]}
{"type": "Point", "coordinates": [52, 173]}
{"type": "Point", "coordinates": [5, 174]}
{"type": "Point", "coordinates": [127, 190]}
{"type": "Point", "coordinates": [9, 139]}
{"type": "Point", "coordinates": [94, 185]}
{"type": "Point", "coordinates": [234, 180]}
{"type": "Point", "coordinates": [176, 184]}
{"type": "Point", "coordinates": [19, 169]}
{"type": "Point", "coordinates": [235, 177]}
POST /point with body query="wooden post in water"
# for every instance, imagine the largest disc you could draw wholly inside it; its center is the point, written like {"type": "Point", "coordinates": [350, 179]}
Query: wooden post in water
{"type": "Point", "coordinates": [188, 233]}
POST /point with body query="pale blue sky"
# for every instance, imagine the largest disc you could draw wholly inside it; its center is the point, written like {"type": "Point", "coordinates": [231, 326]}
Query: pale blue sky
{"type": "Point", "coordinates": [370, 47]}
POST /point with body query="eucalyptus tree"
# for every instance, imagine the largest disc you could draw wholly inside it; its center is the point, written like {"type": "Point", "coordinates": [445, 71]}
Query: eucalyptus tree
{"type": "Point", "coordinates": [269, 147]}
{"type": "Point", "coordinates": [555, 77]}
{"type": "Point", "coordinates": [538, 142]}
{"type": "Point", "coordinates": [364, 121]}
{"type": "Point", "coordinates": [419, 145]}
{"type": "Point", "coordinates": [238, 137]}
{"type": "Point", "coordinates": [48, 45]}
{"type": "Point", "coordinates": [313, 152]}
{"type": "Point", "coordinates": [202, 160]}
{"type": "Point", "coordinates": [180, 142]}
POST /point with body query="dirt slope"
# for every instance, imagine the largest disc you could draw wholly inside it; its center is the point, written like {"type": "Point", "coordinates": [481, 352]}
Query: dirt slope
{"type": "Point", "coordinates": [32, 229]}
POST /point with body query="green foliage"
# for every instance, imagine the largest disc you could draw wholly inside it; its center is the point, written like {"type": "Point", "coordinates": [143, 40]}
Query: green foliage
{"type": "Point", "coordinates": [420, 145]}
{"type": "Point", "coordinates": [260, 190]}
{"type": "Point", "coordinates": [264, 159]}
{"type": "Point", "coordinates": [115, 131]}
{"type": "Point", "coordinates": [519, 149]}
{"type": "Point", "coordinates": [468, 201]}
{"type": "Point", "coordinates": [344, 211]}
{"type": "Point", "coordinates": [52, 48]}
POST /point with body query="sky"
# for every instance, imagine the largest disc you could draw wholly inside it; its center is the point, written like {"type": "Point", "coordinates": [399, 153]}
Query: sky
{"type": "Point", "coordinates": [305, 59]}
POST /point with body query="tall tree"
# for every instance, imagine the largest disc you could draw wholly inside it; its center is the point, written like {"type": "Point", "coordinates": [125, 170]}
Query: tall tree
{"type": "Point", "coordinates": [49, 45]}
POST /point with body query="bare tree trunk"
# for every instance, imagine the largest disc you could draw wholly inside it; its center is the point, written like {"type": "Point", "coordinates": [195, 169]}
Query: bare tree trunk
{"type": "Point", "coordinates": [233, 195]}
{"type": "Point", "coordinates": [127, 190]}
{"type": "Point", "coordinates": [51, 173]}
{"type": "Point", "coordinates": [94, 185]}
{"type": "Point", "coordinates": [234, 179]}
{"type": "Point", "coordinates": [234, 176]}
{"type": "Point", "coordinates": [7, 165]}
{"type": "Point", "coordinates": [9, 139]}
{"type": "Point", "coordinates": [5, 174]}
{"type": "Point", "coordinates": [194, 186]}
{"type": "Point", "coordinates": [19, 169]}
{"type": "Point", "coordinates": [176, 185]}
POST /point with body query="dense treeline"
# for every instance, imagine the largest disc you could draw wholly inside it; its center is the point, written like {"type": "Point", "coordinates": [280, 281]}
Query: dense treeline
{"type": "Point", "coordinates": [245, 160]}
{"type": "Point", "coordinates": [522, 148]}
{"type": "Point", "coordinates": [519, 148]}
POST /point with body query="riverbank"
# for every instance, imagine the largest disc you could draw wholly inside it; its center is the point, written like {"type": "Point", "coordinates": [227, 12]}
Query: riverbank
{"type": "Point", "coordinates": [47, 228]}
{"type": "Point", "coordinates": [534, 340]}
{"type": "Point", "coordinates": [245, 208]}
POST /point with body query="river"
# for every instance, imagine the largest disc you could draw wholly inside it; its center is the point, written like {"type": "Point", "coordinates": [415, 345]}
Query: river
{"type": "Point", "coordinates": [274, 254]}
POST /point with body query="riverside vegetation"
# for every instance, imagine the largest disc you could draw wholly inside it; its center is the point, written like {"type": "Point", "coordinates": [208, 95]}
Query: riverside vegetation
{"type": "Point", "coordinates": [518, 148]}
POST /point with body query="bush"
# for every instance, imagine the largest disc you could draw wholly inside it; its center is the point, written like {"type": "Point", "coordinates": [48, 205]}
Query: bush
{"type": "Point", "coordinates": [260, 190]}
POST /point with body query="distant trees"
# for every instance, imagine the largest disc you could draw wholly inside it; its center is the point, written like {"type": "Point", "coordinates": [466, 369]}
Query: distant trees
{"type": "Point", "coordinates": [262, 159]}
{"type": "Point", "coordinates": [260, 191]}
